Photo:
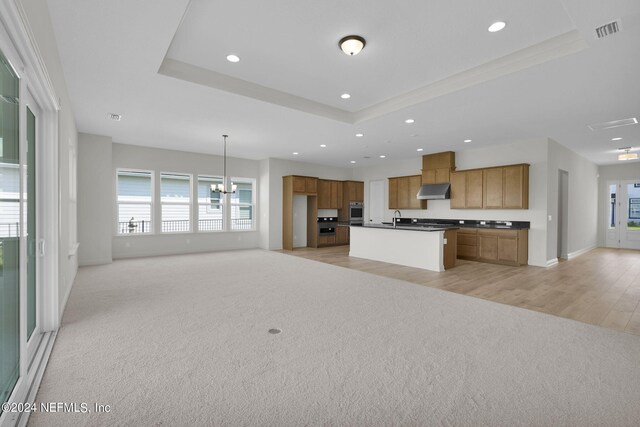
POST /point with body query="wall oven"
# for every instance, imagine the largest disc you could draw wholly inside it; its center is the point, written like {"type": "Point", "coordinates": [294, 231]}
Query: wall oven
{"type": "Point", "coordinates": [356, 213]}
{"type": "Point", "coordinates": [327, 226]}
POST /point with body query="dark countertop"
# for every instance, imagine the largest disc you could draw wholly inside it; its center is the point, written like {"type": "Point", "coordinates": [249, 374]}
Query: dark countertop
{"type": "Point", "coordinates": [409, 227]}
{"type": "Point", "coordinates": [466, 223]}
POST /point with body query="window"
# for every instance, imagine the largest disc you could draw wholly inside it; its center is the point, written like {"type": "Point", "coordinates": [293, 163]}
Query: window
{"type": "Point", "coordinates": [210, 207]}
{"type": "Point", "coordinates": [242, 204]}
{"type": "Point", "coordinates": [135, 201]}
{"type": "Point", "coordinates": [175, 199]}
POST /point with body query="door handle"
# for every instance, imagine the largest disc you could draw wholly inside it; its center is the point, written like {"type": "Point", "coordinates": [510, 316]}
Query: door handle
{"type": "Point", "coordinates": [41, 247]}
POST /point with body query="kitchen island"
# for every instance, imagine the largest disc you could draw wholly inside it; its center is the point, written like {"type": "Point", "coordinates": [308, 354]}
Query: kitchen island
{"type": "Point", "coordinates": [429, 248]}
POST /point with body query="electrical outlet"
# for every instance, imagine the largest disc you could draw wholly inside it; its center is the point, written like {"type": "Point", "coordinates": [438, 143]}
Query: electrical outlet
{"type": "Point", "coordinates": [550, 218]}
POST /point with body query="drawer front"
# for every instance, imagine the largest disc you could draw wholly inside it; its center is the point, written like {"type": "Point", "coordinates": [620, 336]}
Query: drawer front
{"type": "Point", "coordinates": [498, 232]}
{"type": "Point", "coordinates": [467, 239]}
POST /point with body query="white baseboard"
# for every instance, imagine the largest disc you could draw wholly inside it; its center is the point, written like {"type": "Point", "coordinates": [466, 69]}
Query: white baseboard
{"type": "Point", "coordinates": [88, 262]}
{"type": "Point", "coordinates": [552, 262]}
{"type": "Point", "coordinates": [580, 252]}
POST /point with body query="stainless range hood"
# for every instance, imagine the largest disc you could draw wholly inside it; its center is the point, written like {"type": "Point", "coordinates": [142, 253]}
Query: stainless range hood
{"type": "Point", "coordinates": [434, 191]}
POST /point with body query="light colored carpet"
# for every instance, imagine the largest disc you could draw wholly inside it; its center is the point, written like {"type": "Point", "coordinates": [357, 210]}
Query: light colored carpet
{"type": "Point", "coordinates": [184, 340]}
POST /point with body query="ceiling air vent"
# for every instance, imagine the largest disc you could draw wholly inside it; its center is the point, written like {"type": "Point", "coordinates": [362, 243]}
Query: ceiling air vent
{"type": "Point", "coordinates": [608, 29]}
{"type": "Point", "coordinates": [116, 117]}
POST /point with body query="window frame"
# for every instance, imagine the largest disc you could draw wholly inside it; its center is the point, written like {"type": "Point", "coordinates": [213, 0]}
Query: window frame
{"type": "Point", "coordinates": [152, 229]}
{"type": "Point", "coordinates": [221, 204]}
{"type": "Point", "coordinates": [252, 204]}
{"type": "Point", "coordinates": [189, 204]}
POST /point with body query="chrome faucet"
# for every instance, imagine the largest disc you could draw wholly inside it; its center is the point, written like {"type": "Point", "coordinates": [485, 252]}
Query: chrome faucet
{"type": "Point", "coordinates": [395, 218]}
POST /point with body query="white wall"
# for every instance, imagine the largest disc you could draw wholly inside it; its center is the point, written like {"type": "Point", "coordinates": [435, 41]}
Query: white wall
{"type": "Point", "coordinates": [37, 14]}
{"type": "Point", "coordinates": [95, 205]}
{"type": "Point", "coordinates": [158, 160]}
{"type": "Point", "coordinates": [583, 201]}
{"type": "Point", "coordinates": [263, 202]}
{"type": "Point", "coordinates": [620, 172]}
{"type": "Point", "coordinates": [533, 152]}
{"type": "Point", "coordinates": [279, 168]}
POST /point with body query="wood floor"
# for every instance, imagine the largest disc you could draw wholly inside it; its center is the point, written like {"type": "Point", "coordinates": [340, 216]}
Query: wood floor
{"type": "Point", "coordinates": [601, 287]}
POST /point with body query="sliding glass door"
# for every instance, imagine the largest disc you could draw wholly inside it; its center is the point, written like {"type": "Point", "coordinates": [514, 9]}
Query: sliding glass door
{"type": "Point", "coordinates": [30, 201]}
{"type": "Point", "coordinates": [9, 229]}
{"type": "Point", "coordinates": [20, 330]}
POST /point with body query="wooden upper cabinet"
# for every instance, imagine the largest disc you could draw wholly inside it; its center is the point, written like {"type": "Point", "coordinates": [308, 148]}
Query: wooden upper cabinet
{"type": "Point", "coordinates": [359, 191]}
{"type": "Point", "coordinates": [458, 190]}
{"type": "Point", "coordinates": [473, 194]}
{"type": "Point", "coordinates": [329, 194]}
{"type": "Point", "coordinates": [446, 159]}
{"type": "Point", "coordinates": [324, 194]}
{"type": "Point", "coordinates": [415, 182]}
{"type": "Point", "coordinates": [504, 187]}
{"type": "Point", "coordinates": [429, 176]}
{"type": "Point", "coordinates": [336, 194]}
{"type": "Point", "coordinates": [312, 185]}
{"type": "Point", "coordinates": [492, 188]}
{"type": "Point", "coordinates": [305, 184]}
{"type": "Point", "coordinates": [403, 193]}
{"type": "Point", "coordinates": [299, 184]}
{"type": "Point", "coordinates": [354, 191]}
{"type": "Point", "coordinates": [436, 168]}
{"type": "Point", "coordinates": [516, 187]}
{"type": "Point", "coordinates": [442, 175]}
{"type": "Point", "coordinates": [393, 193]}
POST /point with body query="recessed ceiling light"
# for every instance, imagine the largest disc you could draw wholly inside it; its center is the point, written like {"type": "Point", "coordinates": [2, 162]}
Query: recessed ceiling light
{"type": "Point", "coordinates": [382, 156]}
{"type": "Point", "coordinates": [233, 58]}
{"type": "Point", "coordinates": [295, 153]}
{"type": "Point", "coordinates": [352, 161]}
{"type": "Point", "coordinates": [414, 135]}
{"type": "Point", "coordinates": [409, 121]}
{"type": "Point", "coordinates": [420, 149]}
{"type": "Point", "coordinates": [467, 141]}
{"type": "Point", "coordinates": [345, 96]}
{"type": "Point", "coordinates": [616, 139]}
{"type": "Point", "coordinates": [359, 135]}
{"type": "Point", "coordinates": [116, 117]}
{"type": "Point", "coordinates": [323, 145]}
{"type": "Point", "coordinates": [496, 26]}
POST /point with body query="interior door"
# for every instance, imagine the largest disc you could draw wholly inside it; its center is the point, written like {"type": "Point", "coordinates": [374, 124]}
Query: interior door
{"type": "Point", "coordinates": [630, 214]}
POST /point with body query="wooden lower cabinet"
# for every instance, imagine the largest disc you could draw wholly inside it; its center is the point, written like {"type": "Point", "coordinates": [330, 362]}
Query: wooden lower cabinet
{"type": "Point", "coordinates": [342, 235]}
{"type": "Point", "coordinates": [494, 245]}
{"type": "Point", "coordinates": [450, 249]}
{"type": "Point", "coordinates": [468, 243]}
{"type": "Point", "coordinates": [326, 240]}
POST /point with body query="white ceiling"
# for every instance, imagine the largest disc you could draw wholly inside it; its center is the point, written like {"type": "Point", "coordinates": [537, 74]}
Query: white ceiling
{"type": "Point", "coordinates": [161, 64]}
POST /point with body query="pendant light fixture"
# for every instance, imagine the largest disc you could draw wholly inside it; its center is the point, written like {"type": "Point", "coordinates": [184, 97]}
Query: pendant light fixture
{"type": "Point", "coordinates": [220, 188]}
{"type": "Point", "coordinates": [627, 155]}
{"type": "Point", "coordinates": [352, 45]}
